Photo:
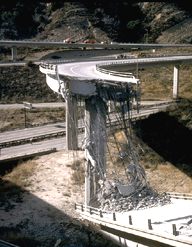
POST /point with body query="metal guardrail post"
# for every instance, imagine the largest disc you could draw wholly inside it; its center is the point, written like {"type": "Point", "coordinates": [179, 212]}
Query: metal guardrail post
{"type": "Point", "coordinates": [130, 220]}
{"type": "Point", "coordinates": [149, 224]}
{"type": "Point", "coordinates": [100, 213]}
{"type": "Point", "coordinates": [174, 230]}
{"type": "Point", "coordinates": [114, 217]}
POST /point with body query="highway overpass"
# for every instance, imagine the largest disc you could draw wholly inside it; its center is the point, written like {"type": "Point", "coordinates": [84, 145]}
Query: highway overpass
{"type": "Point", "coordinates": [128, 46]}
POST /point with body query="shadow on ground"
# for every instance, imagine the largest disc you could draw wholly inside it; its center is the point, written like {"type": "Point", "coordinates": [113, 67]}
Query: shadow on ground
{"type": "Point", "coordinates": [26, 220]}
{"type": "Point", "coordinates": [81, 54]}
{"type": "Point", "coordinates": [169, 138]}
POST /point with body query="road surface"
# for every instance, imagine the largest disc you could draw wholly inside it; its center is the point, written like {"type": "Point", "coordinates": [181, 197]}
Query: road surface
{"type": "Point", "coordinates": [58, 143]}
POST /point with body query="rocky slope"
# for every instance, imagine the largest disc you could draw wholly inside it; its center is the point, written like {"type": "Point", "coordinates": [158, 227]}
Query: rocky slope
{"type": "Point", "coordinates": [167, 22]}
{"type": "Point", "coordinates": [161, 22]}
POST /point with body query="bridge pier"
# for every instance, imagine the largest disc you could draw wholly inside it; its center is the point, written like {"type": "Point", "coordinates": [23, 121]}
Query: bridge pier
{"type": "Point", "coordinates": [14, 53]}
{"type": "Point", "coordinates": [71, 123]}
{"type": "Point", "coordinates": [176, 82]}
{"type": "Point", "coordinates": [95, 148]}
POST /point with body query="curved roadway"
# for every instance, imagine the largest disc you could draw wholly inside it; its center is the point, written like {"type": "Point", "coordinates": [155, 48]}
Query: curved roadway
{"type": "Point", "coordinates": [86, 70]}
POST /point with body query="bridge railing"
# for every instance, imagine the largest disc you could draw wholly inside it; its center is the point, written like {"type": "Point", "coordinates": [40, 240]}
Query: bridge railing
{"type": "Point", "coordinates": [91, 210]}
{"type": "Point", "coordinates": [48, 66]}
{"type": "Point", "coordinates": [108, 214]}
{"type": "Point", "coordinates": [177, 195]}
{"type": "Point", "coordinates": [113, 73]}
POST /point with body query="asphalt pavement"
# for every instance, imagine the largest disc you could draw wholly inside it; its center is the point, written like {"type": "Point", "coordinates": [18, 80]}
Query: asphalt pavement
{"type": "Point", "coordinates": [58, 143]}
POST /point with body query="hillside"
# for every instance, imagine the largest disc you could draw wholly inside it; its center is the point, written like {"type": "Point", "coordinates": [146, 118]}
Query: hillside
{"type": "Point", "coordinates": [161, 22]}
{"type": "Point", "coordinates": [167, 22]}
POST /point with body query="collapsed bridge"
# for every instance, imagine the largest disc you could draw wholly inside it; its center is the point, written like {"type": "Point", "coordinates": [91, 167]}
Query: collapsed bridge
{"type": "Point", "coordinates": [114, 179]}
{"type": "Point", "coordinates": [112, 170]}
{"type": "Point", "coordinates": [101, 145]}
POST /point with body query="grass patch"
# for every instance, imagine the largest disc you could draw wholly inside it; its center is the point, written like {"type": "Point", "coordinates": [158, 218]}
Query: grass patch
{"type": "Point", "coordinates": [19, 175]}
{"type": "Point", "coordinates": [78, 174]}
{"type": "Point", "coordinates": [11, 119]}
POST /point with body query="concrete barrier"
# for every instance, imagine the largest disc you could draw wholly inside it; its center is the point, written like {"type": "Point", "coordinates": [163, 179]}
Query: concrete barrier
{"type": "Point", "coordinates": [27, 155]}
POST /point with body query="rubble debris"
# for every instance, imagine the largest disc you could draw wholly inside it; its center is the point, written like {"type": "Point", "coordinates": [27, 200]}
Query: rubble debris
{"type": "Point", "coordinates": [119, 200]}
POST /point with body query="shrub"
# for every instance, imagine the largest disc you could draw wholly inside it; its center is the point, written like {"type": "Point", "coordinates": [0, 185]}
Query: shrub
{"type": "Point", "coordinates": [29, 63]}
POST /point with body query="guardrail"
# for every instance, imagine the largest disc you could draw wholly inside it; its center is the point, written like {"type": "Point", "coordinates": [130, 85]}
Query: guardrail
{"type": "Point", "coordinates": [27, 155]}
{"type": "Point", "coordinates": [137, 60]}
{"type": "Point", "coordinates": [6, 244]}
{"type": "Point", "coordinates": [95, 211]}
{"type": "Point", "coordinates": [114, 73]}
{"type": "Point", "coordinates": [88, 209]}
{"type": "Point", "coordinates": [48, 66]}
{"type": "Point", "coordinates": [123, 232]}
{"type": "Point", "coordinates": [177, 195]}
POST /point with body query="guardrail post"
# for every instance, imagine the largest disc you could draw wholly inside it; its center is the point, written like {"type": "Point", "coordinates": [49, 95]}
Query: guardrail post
{"type": "Point", "coordinates": [14, 53]}
{"type": "Point", "coordinates": [149, 224]}
{"type": "Point", "coordinates": [114, 217]}
{"type": "Point", "coordinates": [130, 220]}
{"type": "Point", "coordinates": [100, 213]}
{"type": "Point", "coordinates": [174, 229]}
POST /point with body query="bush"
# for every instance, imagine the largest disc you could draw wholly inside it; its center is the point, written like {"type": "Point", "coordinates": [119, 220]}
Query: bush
{"type": "Point", "coordinates": [29, 63]}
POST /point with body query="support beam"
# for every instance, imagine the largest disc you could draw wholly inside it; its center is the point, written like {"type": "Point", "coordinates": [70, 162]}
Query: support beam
{"type": "Point", "coordinates": [14, 53]}
{"type": "Point", "coordinates": [71, 124]}
{"type": "Point", "coordinates": [95, 150]}
{"type": "Point", "coordinates": [176, 82]}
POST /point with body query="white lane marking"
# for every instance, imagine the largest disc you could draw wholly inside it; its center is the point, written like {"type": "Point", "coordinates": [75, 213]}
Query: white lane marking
{"type": "Point", "coordinates": [72, 70]}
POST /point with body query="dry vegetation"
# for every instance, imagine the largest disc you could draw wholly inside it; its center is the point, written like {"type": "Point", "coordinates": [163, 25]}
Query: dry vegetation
{"type": "Point", "coordinates": [37, 201]}
{"type": "Point", "coordinates": [11, 119]}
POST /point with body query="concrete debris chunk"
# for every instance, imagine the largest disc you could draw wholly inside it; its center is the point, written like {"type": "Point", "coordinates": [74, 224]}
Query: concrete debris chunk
{"type": "Point", "coordinates": [125, 190]}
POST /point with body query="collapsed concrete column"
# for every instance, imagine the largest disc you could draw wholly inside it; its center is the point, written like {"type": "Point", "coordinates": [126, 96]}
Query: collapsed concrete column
{"type": "Point", "coordinates": [71, 123]}
{"type": "Point", "coordinates": [95, 149]}
{"type": "Point", "coordinates": [176, 82]}
{"type": "Point", "coordinates": [14, 53]}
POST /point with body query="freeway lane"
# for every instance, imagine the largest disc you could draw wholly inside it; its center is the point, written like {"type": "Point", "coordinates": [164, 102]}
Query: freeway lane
{"type": "Point", "coordinates": [18, 43]}
{"type": "Point", "coordinates": [16, 135]}
{"type": "Point", "coordinates": [57, 104]}
{"type": "Point", "coordinates": [35, 105]}
{"type": "Point", "coordinates": [31, 132]}
{"type": "Point", "coordinates": [82, 70]}
{"type": "Point", "coordinates": [58, 143]}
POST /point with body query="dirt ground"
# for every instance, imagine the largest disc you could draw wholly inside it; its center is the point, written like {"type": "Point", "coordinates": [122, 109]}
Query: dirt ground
{"type": "Point", "coordinates": [37, 204]}
{"type": "Point", "coordinates": [38, 197]}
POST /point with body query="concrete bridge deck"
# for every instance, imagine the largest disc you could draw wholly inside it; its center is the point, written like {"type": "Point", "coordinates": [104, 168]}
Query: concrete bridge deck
{"type": "Point", "coordinates": [161, 231]}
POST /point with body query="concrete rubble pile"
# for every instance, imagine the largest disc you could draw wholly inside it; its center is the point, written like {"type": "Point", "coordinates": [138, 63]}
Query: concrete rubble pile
{"type": "Point", "coordinates": [112, 199]}
{"type": "Point", "coordinates": [137, 194]}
